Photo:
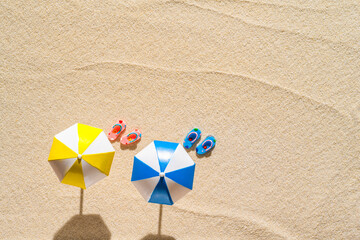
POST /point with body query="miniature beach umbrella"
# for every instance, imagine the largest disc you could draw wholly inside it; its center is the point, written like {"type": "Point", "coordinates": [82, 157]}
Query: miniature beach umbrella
{"type": "Point", "coordinates": [81, 155]}
{"type": "Point", "coordinates": [163, 172]}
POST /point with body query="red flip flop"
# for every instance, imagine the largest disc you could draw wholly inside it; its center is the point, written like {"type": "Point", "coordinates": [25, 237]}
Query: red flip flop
{"type": "Point", "coordinates": [132, 137]}
{"type": "Point", "coordinates": [116, 130]}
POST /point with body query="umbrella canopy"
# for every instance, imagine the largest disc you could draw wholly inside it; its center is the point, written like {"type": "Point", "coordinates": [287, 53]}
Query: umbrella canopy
{"type": "Point", "coordinates": [163, 172]}
{"type": "Point", "coordinates": [81, 155]}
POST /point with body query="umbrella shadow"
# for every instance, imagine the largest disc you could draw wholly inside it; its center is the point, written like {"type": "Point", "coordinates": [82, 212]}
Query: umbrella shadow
{"type": "Point", "coordinates": [158, 236]}
{"type": "Point", "coordinates": [81, 201]}
{"type": "Point", "coordinates": [89, 226]}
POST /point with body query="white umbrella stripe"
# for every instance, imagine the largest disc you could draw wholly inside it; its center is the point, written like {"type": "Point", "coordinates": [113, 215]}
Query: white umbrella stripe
{"type": "Point", "coordinates": [146, 186]}
{"type": "Point", "coordinates": [168, 185]}
{"type": "Point", "coordinates": [91, 174]}
{"type": "Point", "coordinates": [61, 166]}
{"type": "Point", "coordinates": [99, 145]}
{"type": "Point", "coordinates": [177, 191]}
{"type": "Point", "coordinates": [180, 159]}
{"type": "Point", "coordinates": [70, 137]}
{"type": "Point", "coordinates": [147, 155]}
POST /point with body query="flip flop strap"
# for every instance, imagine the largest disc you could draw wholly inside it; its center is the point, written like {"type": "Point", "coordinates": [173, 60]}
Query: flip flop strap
{"type": "Point", "coordinates": [207, 149]}
{"type": "Point", "coordinates": [120, 127]}
{"type": "Point", "coordinates": [134, 138]}
{"type": "Point", "coordinates": [194, 138]}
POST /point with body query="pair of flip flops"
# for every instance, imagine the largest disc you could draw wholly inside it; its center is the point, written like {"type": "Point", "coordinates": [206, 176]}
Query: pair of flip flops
{"type": "Point", "coordinates": [194, 136]}
{"type": "Point", "coordinates": [119, 128]}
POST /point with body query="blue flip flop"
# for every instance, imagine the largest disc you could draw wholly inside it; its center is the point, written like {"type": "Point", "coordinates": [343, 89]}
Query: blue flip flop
{"type": "Point", "coordinates": [207, 145]}
{"type": "Point", "coordinates": [191, 138]}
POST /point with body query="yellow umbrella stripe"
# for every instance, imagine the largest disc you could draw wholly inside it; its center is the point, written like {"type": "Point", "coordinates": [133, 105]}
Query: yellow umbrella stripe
{"type": "Point", "coordinates": [87, 135]}
{"type": "Point", "coordinates": [101, 161]}
{"type": "Point", "coordinates": [60, 151]}
{"type": "Point", "coordinates": [75, 176]}
{"type": "Point", "coordinates": [69, 162]}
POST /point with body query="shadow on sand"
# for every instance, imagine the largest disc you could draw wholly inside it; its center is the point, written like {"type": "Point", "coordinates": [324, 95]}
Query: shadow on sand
{"type": "Point", "coordinates": [128, 147]}
{"type": "Point", "coordinates": [89, 226]}
{"type": "Point", "coordinates": [158, 236]}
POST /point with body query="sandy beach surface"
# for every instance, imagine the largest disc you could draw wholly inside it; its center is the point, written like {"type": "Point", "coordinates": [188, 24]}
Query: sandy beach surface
{"type": "Point", "coordinates": [276, 82]}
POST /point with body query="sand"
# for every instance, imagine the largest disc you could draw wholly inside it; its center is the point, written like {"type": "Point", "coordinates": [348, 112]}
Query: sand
{"type": "Point", "coordinates": [276, 82]}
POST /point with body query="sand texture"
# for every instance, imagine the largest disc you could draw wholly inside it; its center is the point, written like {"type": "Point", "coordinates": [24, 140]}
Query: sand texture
{"type": "Point", "coordinates": [277, 83]}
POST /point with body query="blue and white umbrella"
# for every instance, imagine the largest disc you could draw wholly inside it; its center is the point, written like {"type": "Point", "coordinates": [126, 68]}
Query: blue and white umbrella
{"type": "Point", "coordinates": [163, 172]}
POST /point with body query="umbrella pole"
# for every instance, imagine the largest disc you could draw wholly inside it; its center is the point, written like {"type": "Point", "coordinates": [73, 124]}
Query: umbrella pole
{"type": "Point", "coordinates": [160, 219]}
{"type": "Point", "coordinates": [81, 200]}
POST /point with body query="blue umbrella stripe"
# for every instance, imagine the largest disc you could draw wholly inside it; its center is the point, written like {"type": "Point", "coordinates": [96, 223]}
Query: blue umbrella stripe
{"type": "Point", "coordinates": [142, 170]}
{"type": "Point", "coordinates": [163, 172]}
{"type": "Point", "coordinates": [165, 151]}
{"type": "Point", "coordinates": [184, 176]}
{"type": "Point", "coordinates": [161, 194]}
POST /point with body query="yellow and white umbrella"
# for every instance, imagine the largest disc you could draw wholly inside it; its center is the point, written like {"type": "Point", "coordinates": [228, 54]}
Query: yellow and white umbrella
{"type": "Point", "coordinates": [81, 155]}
